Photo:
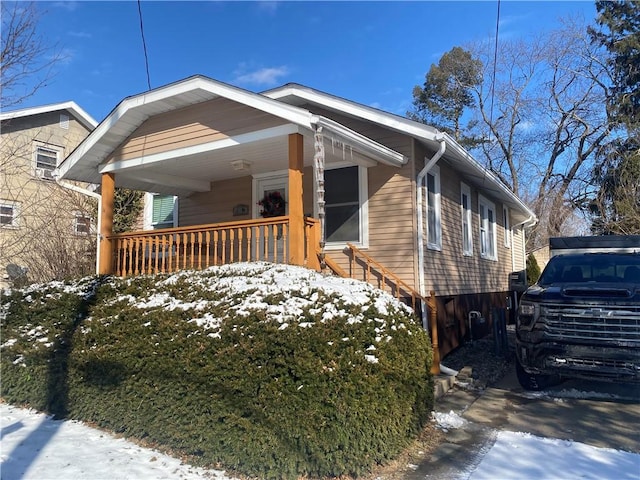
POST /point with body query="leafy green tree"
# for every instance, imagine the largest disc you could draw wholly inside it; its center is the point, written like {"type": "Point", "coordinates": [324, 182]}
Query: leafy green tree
{"type": "Point", "coordinates": [616, 175]}
{"type": "Point", "coordinates": [447, 93]}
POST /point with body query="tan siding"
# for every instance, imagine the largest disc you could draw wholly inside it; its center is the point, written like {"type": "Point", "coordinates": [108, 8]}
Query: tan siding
{"type": "Point", "coordinates": [391, 226]}
{"type": "Point", "coordinates": [519, 255]}
{"type": "Point", "coordinates": [216, 205]}
{"type": "Point", "coordinates": [202, 123]}
{"type": "Point", "coordinates": [448, 271]}
{"type": "Point", "coordinates": [391, 196]}
{"type": "Point", "coordinates": [44, 206]}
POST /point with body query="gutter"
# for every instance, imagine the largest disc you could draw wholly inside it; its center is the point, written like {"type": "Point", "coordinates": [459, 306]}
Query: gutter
{"type": "Point", "coordinates": [421, 241]}
{"type": "Point", "coordinates": [89, 193]}
{"type": "Point", "coordinates": [370, 147]}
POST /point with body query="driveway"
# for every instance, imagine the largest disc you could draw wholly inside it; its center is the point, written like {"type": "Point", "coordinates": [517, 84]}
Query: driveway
{"type": "Point", "coordinates": [593, 413]}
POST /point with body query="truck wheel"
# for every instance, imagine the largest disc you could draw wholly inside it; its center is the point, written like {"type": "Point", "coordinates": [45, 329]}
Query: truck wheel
{"type": "Point", "coordinates": [532, 381]}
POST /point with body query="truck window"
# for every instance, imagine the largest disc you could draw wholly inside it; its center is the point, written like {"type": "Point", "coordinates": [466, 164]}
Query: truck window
{"type": "Point", "coordinates": [583, 268]}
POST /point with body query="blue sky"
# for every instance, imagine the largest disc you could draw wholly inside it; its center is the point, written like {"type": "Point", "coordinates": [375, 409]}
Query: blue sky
{"type": "Point", "coordinates": [370, 52]}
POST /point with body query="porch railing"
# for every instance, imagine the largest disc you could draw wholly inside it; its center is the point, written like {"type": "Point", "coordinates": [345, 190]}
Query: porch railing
{"type": "Point", "coordinates": [201, 246]}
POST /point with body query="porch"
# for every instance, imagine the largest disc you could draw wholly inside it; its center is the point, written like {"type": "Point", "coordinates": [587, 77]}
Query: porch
{"type": "Point", "coordinates": [201, 246]}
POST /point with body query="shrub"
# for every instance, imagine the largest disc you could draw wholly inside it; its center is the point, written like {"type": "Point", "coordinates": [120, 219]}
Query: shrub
{"type": "Point", "coordinates": [533, 270]}
{"type": "Point", "coordinates": [272, 371]}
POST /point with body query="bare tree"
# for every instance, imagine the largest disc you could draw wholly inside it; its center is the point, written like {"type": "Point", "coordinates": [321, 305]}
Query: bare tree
{"type": "Point", "coordinates": [26, 59]}
{"type": "Point", "coordinates": [548, 119]}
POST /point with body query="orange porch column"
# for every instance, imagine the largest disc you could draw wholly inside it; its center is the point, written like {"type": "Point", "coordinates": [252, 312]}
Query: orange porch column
{"type": "Point", "coordinates": [296, 208]}
{"type": "Point", "coordinates": [106, 223]}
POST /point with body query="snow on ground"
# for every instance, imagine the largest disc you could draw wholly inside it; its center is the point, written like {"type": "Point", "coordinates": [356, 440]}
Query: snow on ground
{"type": "Point", "coordinates": [35, 447]}
{"type": "Point", "coordinates": [525, 456]}
{"type": "Point", "coordinates": [446, 421]}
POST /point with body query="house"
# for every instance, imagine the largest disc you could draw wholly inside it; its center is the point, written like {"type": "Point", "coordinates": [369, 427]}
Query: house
{"type": "Point", "coordinates": [45, 229]}
{"type": "Point", "coordinates": [366, 193]}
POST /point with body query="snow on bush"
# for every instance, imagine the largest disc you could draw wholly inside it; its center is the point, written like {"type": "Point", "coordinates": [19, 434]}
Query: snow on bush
{"type": "Point", "coordinates": [273, 370]}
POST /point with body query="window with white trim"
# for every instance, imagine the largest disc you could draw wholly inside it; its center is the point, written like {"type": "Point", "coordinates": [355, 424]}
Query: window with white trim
{"type": "Point", "coordinates": [487, 212]}
{"type": "Point", "coordinates": [507, 226]}
{"type": "Point", "coordinates": [9, 212]}
{"type": "Point", "coordinates": [81, 224]}
{"type": "Point", "coordinates": [465, 209]}
{"type": "Point", "coordinates": [46, 161]}
{"type": "Point", "coordinates": [434, 226]}
{"type": "Point", "coordinates": [345, 205]}
{"type": "Point", "coordinates": [163, 211]}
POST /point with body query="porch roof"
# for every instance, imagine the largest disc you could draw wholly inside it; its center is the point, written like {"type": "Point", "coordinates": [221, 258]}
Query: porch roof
{"type": "Point", "coordinates": [192, 168]}
{"type": "Point", "coordinates": [296, 95]}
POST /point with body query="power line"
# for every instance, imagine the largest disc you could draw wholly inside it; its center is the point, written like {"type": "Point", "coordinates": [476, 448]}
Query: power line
{"type": "Point", "coordinates": [495, 61]}
{"type": "Point", "coordinates": [144, 46]}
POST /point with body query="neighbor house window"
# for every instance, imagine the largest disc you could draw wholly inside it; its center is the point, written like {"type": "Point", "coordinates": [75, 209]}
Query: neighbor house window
{"type": "Point", "coordinates": [487, 211]}
{"type": "Point", "coordinates": [507, 227]}
{"type": "Point", "coordinates": [81, 224]}
{"type": "Point", "coordinates": [345, 199]}
{"type": "Point", "coordinates": [163, 211]}
{"type": "Point", "coordinates": [46, 161]}
{"type": "Point", "coordinates": [9, 214]}
{"type": "Point", "coordinates": [434, 228]}
{"type": "Point", "coordinates": [465, 209]}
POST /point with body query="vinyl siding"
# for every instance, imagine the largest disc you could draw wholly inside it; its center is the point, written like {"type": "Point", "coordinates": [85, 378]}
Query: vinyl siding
{"type": "Point", "coordinates": [42, 203]}
{"type": "Point", "coordinates": [391, 196]}
{"type": "Point", "coordinates": [448, 271]}
{"type": "Point", "coordinates": [194, 125]}
{"type": "Point", "coordinates": [519, 255]}
{"type": "Point", "coordinates": [216, 205]}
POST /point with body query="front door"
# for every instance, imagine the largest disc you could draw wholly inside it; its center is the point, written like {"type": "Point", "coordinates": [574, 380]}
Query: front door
{"type": "Point", "coordinates": [268, 192]}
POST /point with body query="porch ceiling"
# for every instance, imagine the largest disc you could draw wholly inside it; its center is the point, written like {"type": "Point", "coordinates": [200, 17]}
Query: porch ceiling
{"type": "Point", "coordinates": [181, 174]}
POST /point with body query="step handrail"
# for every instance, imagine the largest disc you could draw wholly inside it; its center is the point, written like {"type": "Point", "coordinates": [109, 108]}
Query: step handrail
{"type": "Point", "coordinates": [385, 273]}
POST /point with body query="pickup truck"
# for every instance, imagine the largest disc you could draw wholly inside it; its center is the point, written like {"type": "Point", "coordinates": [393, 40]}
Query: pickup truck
{"type": "Point", "coordinates": [582, 318]}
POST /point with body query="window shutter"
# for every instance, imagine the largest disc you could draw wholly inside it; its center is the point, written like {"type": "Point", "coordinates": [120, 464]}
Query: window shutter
{"type": "Point", "coordinates": [163, 209]}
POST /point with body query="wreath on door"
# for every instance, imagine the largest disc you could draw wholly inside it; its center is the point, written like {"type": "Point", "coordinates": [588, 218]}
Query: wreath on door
{"type": "Point", "coordinates": [273, 204]}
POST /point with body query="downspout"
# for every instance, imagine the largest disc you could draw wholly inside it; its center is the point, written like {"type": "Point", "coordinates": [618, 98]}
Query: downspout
{"type": "Point", "coordinates": [421, 242]}
{"type": "Point", "coordinates": [528, 223]}
{"type": "Point", "coordinates": [318, 180]}
{"type": "Point", "coordinates": [89, 193]}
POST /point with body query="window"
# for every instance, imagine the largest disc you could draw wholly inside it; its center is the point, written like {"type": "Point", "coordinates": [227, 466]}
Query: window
{"type": "Point", "coordinates": [81, 224]}
{"type": "Point", "coordinates": [487, 211]}
{"type": "Point", "coordinates": [163, 211]}
{"type": "Point", "coordinates": [9, 214]}
{"type": "Point", "coordinates": [465, 208]}
{"type": "Point", "coordinates": [434, 228]}
{"type": "Point", "coordinates": [46, 162]}
{"type": "Point", "coordinates": [345, 200]}
{"type": "Point", "coordinates": [507, 227]}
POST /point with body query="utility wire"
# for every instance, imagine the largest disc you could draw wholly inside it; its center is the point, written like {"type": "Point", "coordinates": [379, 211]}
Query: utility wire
{"type": "Point", "coordinates": [495, 61]}
{"type": "Point", "coordinates": [144, 46]}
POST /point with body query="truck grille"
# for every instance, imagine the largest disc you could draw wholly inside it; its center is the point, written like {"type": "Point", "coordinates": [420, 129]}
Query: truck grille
{"type": "Point", "coordinates": [619, 324]}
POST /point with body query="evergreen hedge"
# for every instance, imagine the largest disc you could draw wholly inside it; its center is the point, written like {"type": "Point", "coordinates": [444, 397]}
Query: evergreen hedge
{"type": "Point", "coordinates": [227, 367]}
